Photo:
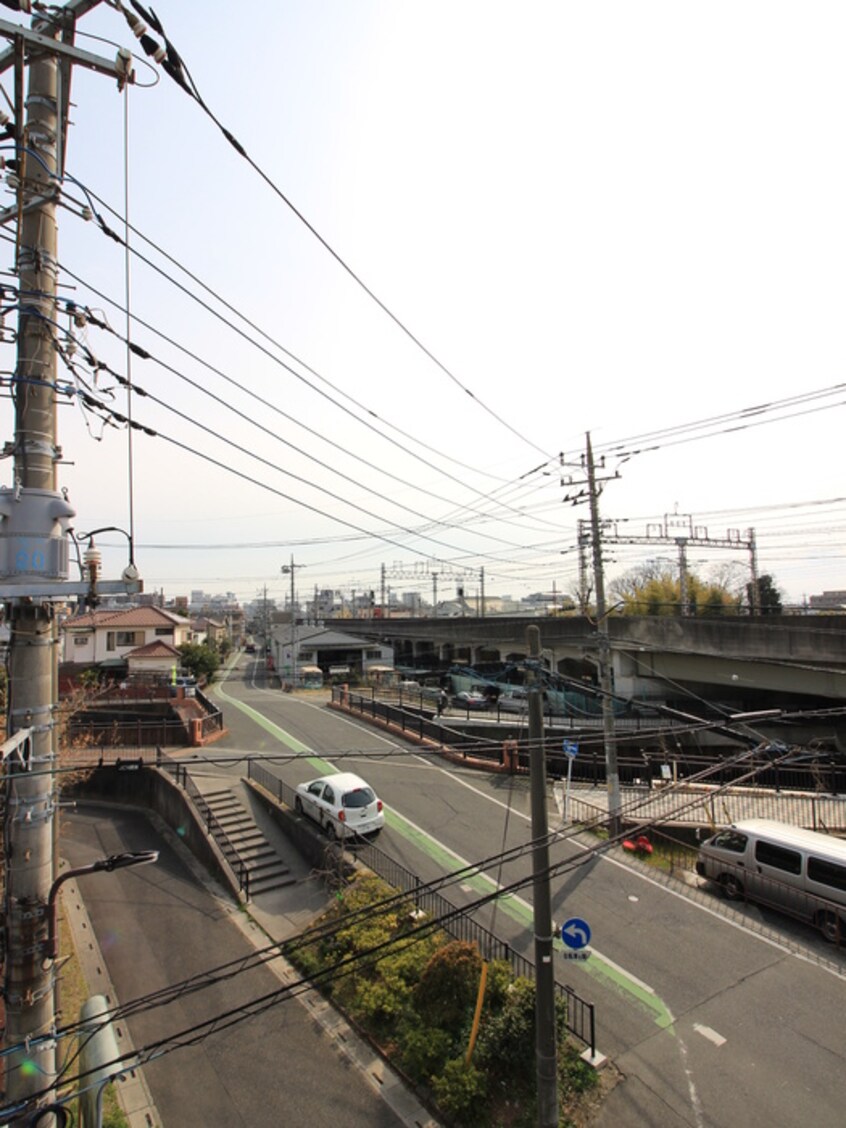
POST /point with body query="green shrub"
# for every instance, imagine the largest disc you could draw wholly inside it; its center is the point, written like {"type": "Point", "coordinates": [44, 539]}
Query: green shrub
{"type": "Point", "coordinates": [446, 993]}
{"type": "Point", "coordinates": [506, 1042]}
{"type": "Point", "coordinates": [461, 1092]}
{"type": "Point", "coordinates": [423, 1050]}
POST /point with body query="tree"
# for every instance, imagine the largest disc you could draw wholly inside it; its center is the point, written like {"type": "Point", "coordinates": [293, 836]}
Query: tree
{"type": "Point", "coordinates": [199, 659]}
{"type": "Point", "coordinates": [769, 596]}
{"type": "Point", "coordinates": [653, 588]}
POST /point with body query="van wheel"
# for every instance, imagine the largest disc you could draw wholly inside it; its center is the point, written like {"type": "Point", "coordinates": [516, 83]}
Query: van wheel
{"type": "Point", "coordinates": [832, 928]}
{"type": "Point", "coordinates": [732, 887]}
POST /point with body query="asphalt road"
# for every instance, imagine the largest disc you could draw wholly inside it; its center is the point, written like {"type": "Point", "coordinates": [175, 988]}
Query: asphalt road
{"type": "Point", "coordinates": [157, 925]}
{"type": "Point", "coordinates": [711, 1023]}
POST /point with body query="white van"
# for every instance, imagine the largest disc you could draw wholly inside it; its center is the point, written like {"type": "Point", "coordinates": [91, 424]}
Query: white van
{"type": "Point", "coordinates": [786, 867]}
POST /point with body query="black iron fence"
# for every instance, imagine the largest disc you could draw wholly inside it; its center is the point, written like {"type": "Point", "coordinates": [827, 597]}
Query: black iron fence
{"type": "Point", "coordinates": [581, 1016]}
{"type": "Point", "coordinates": [826, 774]}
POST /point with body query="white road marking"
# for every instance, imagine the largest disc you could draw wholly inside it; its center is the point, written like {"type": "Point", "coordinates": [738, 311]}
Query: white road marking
{"type": "Point", "coordinates": [710, 1034]}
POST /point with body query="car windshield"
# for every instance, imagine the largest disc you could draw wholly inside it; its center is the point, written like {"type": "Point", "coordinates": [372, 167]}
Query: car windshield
{"type": "Point", "coordinates": [361, 797]}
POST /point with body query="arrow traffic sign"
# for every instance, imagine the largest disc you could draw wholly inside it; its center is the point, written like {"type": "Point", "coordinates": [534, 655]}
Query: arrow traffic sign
{"type": "Point", "coordinates": [575, 933]}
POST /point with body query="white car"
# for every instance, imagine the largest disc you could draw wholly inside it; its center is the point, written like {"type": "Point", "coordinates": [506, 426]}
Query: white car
{"type": "Point", "coordinates": [343, 804]}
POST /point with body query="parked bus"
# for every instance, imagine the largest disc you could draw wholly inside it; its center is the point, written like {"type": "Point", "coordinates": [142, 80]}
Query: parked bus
{"type": "Point", "coordinates": [797, 871]}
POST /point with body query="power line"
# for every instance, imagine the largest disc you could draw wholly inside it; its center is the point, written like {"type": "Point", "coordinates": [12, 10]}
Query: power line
{"type": "Point", "coordinates": [174, 65]}
{"type": "Point", "coordinates": [368, 411]}
{"type": "Point", "coordinates": [199, 1031]}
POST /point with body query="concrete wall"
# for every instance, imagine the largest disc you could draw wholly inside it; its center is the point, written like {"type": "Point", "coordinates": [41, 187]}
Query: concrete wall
{"type": "Point", "coordinates": [145, 786]}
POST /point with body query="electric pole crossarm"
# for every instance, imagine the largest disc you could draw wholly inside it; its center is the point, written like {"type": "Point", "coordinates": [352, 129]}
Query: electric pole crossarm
{"type": "Point", "coordinates": [35, 40]}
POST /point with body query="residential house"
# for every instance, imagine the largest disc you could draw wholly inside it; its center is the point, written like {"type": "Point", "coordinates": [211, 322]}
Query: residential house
{"type": "Point", "coordinates": [108, 638]}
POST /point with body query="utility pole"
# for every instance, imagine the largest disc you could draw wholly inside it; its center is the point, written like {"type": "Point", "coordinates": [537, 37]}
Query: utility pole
{"type": "Point", "coordinates": [34, 524]}
{"type": "Point", "coordinates": [683, 595]}
{"type": "Point", "coordinates": [606, 685]}
{"type": "Point", "coordinates": [755, 591]}
{"type": "Point", "coordinates": [435, 594]}
{"type": "Point", "coordinates": [545, 1051]}
{"type": "Point", "coordinates": [290, 569]}
{"type": "Point", "coordinates": [482, 592]}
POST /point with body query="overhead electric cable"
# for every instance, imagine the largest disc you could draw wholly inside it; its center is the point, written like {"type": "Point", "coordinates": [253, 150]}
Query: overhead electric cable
{"type": "Point", "coordinates": [137, 350]}
{"type": "Point", "coordinates": [174, 65]}
{"type": "Point", "coordinates": [275, 408]}
{"type": "Point", "coordinates": [263, 333]}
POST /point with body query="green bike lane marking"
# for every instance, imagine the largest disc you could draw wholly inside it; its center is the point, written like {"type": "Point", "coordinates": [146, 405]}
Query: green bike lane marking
{"type": "Point", "coordinates": [519, 910]}
{"type": "Point", "coordinates": [597, 966]}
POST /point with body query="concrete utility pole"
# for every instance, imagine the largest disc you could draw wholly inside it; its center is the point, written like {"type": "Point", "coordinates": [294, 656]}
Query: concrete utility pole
{"type": "Point", "coordinates": [34, 508]}
{"type": "Point", "coordinates": [606, 684]}
{"type": "Point", "coordinates": [755, 591]}
{"type": "Point", "coordinates": [545, 1051]}
{"type": "Point", "coordinates": [291, 569]}
{"type": "Point", "coordinates": [34, 523]}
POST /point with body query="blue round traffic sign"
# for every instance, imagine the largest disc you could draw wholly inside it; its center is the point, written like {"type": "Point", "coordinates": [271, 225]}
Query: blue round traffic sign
{"type": "Point", "coordinates": [575, 933]}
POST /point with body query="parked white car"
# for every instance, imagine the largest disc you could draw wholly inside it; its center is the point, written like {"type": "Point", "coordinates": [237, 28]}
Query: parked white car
{"type": "Point", "coordinates": [343, 804]}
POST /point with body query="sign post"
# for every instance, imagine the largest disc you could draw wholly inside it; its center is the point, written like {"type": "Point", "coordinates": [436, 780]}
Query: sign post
{"type": "Point", "coordinates": [571, 750]}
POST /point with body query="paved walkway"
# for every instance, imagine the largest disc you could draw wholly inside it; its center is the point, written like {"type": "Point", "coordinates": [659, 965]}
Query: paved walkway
{"type": "Point", "coordinates": [160, 924]}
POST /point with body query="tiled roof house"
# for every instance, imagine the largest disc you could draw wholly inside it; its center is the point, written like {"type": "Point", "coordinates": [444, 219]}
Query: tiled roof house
{"type": "Point", "coordinates": [109, 637]}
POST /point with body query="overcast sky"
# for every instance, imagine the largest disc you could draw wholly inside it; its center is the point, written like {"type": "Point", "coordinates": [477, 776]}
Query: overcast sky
{"type": "Point", "coordinates": [617, 218]}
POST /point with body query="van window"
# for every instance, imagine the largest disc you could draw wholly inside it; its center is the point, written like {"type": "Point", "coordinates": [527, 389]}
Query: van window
{"type": "Point", "coordinates": [730, 840]}
{"type": "Point", "coordinates": [827, 873]}
{"type": "Point", "coordinates": [777, 856]}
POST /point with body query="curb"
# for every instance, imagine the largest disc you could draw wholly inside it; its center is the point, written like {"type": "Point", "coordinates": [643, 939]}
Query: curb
{"type": "Point", "coordinates": [131, 1088]}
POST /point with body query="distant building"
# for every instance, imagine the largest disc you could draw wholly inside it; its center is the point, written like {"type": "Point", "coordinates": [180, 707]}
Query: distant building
{"type": "Point", "coordinates": [828, 601]}
{"type": "Point", "coordinates": [337, 654]}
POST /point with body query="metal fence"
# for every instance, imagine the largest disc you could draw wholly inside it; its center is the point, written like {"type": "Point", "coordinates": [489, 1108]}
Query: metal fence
{"type": "Point", "coordinates": [214, 828]}
{"type": "Point", "coordinates": [581, 1016]}
{"type": "Point", "coordinates": [705, 805]}
{"type": "Point", "coordinates": [825, 775]}
{"type": "Point", "coordinates": [143, 732]}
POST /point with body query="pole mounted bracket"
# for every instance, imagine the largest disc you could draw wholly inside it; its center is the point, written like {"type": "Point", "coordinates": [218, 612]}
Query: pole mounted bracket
{"type": "Point", "coordinates": [18, 749]}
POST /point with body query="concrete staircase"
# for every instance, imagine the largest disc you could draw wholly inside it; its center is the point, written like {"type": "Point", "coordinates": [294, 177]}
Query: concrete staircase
{"type": "Point", "coordinates": [253, 860]}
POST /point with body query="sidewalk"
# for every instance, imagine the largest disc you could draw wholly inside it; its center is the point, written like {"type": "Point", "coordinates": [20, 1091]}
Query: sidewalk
{"type": "Point", "coordinates": [273, 916]}
{"type": "Point", "coordinates": [283, 913]}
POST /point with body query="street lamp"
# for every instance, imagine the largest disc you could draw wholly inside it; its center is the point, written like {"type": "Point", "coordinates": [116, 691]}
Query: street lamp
{"type": "Point", "coordinates": [116, 861]}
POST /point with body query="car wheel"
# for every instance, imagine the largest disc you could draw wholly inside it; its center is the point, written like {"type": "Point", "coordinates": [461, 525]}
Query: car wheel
{"type": "Point", "coordinates": [298, 805]}
{"type": "Point", "coordinates": [331, 829]}
{"type": "Point", "coordinates": [831, 927]}
{"type": "Point", "coordinates": [732, 887]}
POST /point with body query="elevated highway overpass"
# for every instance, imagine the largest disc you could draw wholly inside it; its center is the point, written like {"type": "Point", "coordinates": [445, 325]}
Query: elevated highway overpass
{"type": "Point", "coordinates": [737, 660]}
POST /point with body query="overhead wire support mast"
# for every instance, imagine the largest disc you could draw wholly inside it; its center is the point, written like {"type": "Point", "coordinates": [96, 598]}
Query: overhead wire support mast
{"type": "Point", "coordinates": [35, 521]}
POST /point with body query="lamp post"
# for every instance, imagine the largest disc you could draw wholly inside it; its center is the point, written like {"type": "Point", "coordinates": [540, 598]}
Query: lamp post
{"type": "Point", "coordinates": [115, 861]}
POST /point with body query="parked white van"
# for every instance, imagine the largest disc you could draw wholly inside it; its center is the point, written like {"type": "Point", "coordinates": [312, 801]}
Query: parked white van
{"type": "Point", "coordinates": [798, 871]}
